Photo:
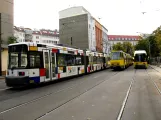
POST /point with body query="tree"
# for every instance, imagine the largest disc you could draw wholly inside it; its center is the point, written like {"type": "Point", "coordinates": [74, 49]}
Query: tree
{"type": "Point", "coordinates": [154, 46]}
{"type": "Point", "coordinates": [118, 46]}
{"type": "Point", "coordinates": [142, 45]}
{"type": "Point", "coordinates": [128, 48]}
{"type": "Point", "coordinates": [12, 39]}
{"type": "Point", "coordinates": [150, 45]}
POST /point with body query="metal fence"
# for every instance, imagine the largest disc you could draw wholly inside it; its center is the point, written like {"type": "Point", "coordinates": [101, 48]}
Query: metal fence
{"type": "Point", "coordinates": [156, 61]}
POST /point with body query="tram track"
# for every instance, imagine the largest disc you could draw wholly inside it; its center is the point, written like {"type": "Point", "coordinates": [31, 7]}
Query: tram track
{"type": "Point", "coordinates": [5, 91]}
{"type": "Point", "coordinates": [119, 117]}
{"type": "Point", "coordinates": [42, 116]}
{"type": "Point", "coordinates": [156, 86]}
{"type": "Point", "coordinates": [46, 95]}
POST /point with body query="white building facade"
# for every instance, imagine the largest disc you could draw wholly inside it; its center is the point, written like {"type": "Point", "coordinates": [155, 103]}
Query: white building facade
{"type": "Point", "coordinates": [91, 33]}
{"type": "Point", "coordinates": [38, 36]}
{"type": "Point", "coordinates": [105, 42]}
{"type": "Point", "coordinates": [19, 33]}
{"type": "Point", "coordinates": [114, 39]}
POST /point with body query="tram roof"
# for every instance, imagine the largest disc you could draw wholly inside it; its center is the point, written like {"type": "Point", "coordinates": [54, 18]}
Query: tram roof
{"type": "Point", "coordinates": [45, 44]}
{"type": "Point", "coordinates": [140, 52]}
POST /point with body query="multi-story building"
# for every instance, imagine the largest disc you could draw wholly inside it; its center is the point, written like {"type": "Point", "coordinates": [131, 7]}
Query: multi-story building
{"type": "Point", "coordinates": [19, 33]}
{"type": "Point", "coordinates": [6, 30]}
{"type": "Point", "coordinates": [106, 45]}
{"type": "Point", "coordinates": [78, 28]}
{"type": "Point", "coordinates": [113, 39]}
{"type": "Point", "coordinates": [38, 36]}
{"type": "Point", "coordinates": [49, 36]}
{"type": "Point", "coordinates": [6, 19]}
{"type": "Point", "coordinates": [28, 34]}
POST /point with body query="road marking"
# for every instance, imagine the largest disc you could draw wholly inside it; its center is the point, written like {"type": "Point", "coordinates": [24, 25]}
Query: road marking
{"type": "Point", "coordinates": [125, 100]}
{"type": "Point", "coordinates": [96, 77]}
{"type": "Point", "coordinates": [4, 89]}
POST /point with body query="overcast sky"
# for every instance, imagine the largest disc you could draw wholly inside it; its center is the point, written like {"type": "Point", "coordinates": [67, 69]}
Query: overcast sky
{"type": "Point", "coordinates": [118, 16]}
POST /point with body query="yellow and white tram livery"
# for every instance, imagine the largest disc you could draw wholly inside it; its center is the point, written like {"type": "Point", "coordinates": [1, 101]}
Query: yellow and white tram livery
{"type": "Point", "coordinates": [140, 59]}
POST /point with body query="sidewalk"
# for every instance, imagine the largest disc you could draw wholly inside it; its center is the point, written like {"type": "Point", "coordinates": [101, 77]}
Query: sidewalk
{"type": "Point", "coordinates": [2, 77]}
{"type": "Point", "coordinates": [158, 68]}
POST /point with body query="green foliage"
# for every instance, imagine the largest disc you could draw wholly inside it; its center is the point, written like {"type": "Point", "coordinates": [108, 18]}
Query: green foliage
{"type": "Point", "coordinates": [151, 44]}
{"type": "Point", "coordinates": [142, 45]}
{"type": "Point", "coordinates": [118, 46]}
{"type": "Point", "coordinates": [126, 47]}
{"type": "Point", "coordinates": [12, 39]}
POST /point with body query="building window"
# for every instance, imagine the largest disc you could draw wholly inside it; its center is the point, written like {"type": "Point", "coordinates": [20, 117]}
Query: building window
{"type": "Point", "coordinates": [37, 37]}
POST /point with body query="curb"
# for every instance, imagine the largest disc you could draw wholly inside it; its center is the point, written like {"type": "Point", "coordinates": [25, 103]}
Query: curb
{"type": "Point", "coordinates": [2, 78]}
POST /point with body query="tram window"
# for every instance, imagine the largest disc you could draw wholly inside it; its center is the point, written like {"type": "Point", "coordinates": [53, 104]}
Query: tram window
{"type": "Point", "coordinates": [94, 59]}
{"type": "Point", "coordinates": [61, 60]}
{"type": "Point", "coordinates": [36, 60]}
{"type": "Point", "coordinates": [90, 58]}
{"type": "Point", "coordinates": [87, 60]}
{"type": "Point", "coordinates": [98, 60]}
{"type": "Point", "coordinates": [115, 56]}
{"type": "Point", "coordinates": [82, 58]}
{"type": "Point", "coordinates": [70, 60]}
{"type": "Point", "coordinates": [78, 60]}
{"type": "Point", "coordinates": [23, 60]}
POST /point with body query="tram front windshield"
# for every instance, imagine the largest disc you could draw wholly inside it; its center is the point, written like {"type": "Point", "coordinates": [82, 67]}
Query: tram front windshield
{"type": "Point", "coordinates": [17, 56]}
{"type": "Point", "coordinates": [116, 56]}
{"type": "Point", "coordinates": [140, 58]}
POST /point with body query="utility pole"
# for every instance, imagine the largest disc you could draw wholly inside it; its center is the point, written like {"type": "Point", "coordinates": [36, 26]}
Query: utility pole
{"type": "Point", "coordinates": [149, 52]}
{"type": "Point", "coordinates": [0, 45]}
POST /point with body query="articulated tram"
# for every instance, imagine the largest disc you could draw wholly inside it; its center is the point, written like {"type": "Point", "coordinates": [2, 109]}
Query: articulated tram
{"type": "Point", "coordinates": [140, 59]}
{"type": "Point", "coordinates": [30, 62]}
{"type": "Point", "coordinates": [120, 59]}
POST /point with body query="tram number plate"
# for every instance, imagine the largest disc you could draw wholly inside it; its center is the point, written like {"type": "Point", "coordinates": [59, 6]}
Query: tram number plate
{"type": "Point", "coordinates": [31, 81]}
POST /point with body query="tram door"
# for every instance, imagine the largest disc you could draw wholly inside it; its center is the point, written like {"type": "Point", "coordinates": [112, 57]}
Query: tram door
{"type": "Point", "coordinates": [52, 64]}
{"type": "Point", "coordinates": [47, 64]}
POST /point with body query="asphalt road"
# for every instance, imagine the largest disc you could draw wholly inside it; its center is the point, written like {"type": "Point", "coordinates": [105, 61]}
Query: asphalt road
{"type": "Point", "coordinates": [106, 95]}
